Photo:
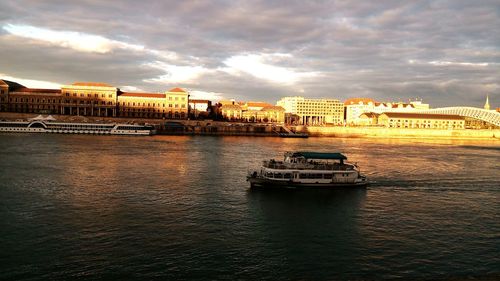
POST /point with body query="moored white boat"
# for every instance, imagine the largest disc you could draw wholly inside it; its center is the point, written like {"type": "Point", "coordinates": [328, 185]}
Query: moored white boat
{"type": "Point", "coordinates": [75, 128]}
{"type": "Point", "coordinates": [308, 170]}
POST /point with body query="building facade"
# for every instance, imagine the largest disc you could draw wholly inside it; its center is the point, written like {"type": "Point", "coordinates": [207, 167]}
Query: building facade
{"type": "Point", "coordinates": [314, 111]}
{"type": "Point", "coordinates": [274, 114]}
{"type": "Point", "coordinates": [355, 107]}
{"type": "Point", "coordinates": [89, 99]}
{"type": "Point", "coordinates": [268, 113]}
{"type": "Point", "coordinates": [93, 99]}
{"type": "Point", "coordinates": [421, 120]}
{"type": "Point", "coordinates": [231, 112]}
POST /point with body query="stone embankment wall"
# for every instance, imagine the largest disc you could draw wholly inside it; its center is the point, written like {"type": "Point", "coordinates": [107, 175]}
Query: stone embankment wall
{"type": "Point", "coordinates": [381, 132]}
{"type": "Point", "coordinates": [217, 128]}
{"type": "Point", "coordinates": [208, 127]}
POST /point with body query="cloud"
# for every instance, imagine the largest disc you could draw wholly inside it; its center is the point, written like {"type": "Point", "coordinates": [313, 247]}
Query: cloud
{"type": "Point", "coordinates": [257, 65]}
{"type": "Point", "coordinates": [68, 39]}
{"type": "Point", "coordinates": [203, 95]}
{"type": "Point", "coordinates": [128, 88]}
{"type": "Point", "coordinates": [30, 83]}
{"type": "Point", "coordinates": [262, 50]}
{"type": "Point", "coordinates": [175, 73]}
{"type": "Point", "coordinates": [446, 63]}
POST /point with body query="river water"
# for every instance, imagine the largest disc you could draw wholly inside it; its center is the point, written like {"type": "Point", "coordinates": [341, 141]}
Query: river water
{"type": "Point", "coordinates": [179, 208]}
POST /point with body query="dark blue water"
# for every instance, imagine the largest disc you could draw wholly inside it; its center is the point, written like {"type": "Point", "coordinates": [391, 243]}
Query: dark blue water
{"type": "Point", "coordinates": [178, 208]}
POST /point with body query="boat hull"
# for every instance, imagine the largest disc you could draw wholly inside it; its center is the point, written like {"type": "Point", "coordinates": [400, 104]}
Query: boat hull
{"type": "Point", "coordinates": [259, 182]}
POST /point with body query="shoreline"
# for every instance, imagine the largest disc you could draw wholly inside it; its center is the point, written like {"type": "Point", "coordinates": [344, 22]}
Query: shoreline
{"type": "Point", "coordinates": [222, 128]}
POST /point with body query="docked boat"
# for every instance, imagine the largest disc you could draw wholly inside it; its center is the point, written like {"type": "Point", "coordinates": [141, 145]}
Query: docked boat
{"type": "Point", "coordinates": [75, 128]}
{"type": "Point", "coordinates": [308, 170]}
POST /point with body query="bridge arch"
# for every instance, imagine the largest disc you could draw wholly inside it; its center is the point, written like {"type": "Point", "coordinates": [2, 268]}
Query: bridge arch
{"type": "Point", "coordinates": [488, 116]}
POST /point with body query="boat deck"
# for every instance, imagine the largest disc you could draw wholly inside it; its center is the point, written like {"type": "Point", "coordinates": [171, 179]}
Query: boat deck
{"type": "Point", "coordinates": [307, 166]}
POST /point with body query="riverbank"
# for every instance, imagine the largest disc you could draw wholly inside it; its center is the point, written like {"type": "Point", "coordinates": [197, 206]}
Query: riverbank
{"type": "Point", "coordinates": [220, 128]}
{"type": "Point", "coordinates": [382, 132]}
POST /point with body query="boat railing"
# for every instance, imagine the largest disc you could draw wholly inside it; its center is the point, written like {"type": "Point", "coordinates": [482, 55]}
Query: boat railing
{"type": "Point", "coordinates": [271, 164]}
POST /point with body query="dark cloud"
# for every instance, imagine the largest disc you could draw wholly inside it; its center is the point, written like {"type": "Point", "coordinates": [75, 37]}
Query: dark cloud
{"type": "Point", "coordinates": [446, 52]}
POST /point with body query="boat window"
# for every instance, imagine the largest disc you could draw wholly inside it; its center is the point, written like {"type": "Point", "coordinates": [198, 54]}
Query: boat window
{"type": "Point", "coordinates": [278, 175]}
{"type": "Point", "coordinates": [327, 176]}
{"type": "Point", "coordinates": [302, 176]}
{"type": "Point", "coordinates": [269, 174]}
{"type": "Point", "coordinates": [287, 176]}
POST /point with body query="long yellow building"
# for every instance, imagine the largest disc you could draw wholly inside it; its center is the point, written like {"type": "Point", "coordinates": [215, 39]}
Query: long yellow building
{"type": "Point", "coordinates": [93, 99]}
{"type": "Point", "coordinates": [421, 120]}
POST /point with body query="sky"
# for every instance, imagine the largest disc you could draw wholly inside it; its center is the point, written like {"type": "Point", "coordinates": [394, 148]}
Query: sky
{"type": "Point", "coordinates": [446, 53]}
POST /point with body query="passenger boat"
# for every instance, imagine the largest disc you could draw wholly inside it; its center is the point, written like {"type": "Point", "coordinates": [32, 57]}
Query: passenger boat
{"type": "Point", "coordinates": [75, 128]}
{"type": "Point", "coordinates": [308, 170]}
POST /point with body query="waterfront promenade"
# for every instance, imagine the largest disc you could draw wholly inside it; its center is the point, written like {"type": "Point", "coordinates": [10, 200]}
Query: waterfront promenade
{"type": "Point", "coordinates": [222, 128]}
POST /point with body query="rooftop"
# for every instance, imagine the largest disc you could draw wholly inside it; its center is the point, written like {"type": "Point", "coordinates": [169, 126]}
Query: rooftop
{"type": "Point", "coordinates": [38, 91]}
{"type": "Point", "coordinates": [273, 108]}
{"type": "Point", "coordinates": [12, 85]}
{"type": "Point", "coordinates": [176, 90]}
{"type": "Point", "coordinates": [358, 101]}
{"type": "Point", "coordinates": [258, 104]}
{"type": "Point", "coordinates": [231, 106]}
{"type": "Point", "coordinates": [320, 155]}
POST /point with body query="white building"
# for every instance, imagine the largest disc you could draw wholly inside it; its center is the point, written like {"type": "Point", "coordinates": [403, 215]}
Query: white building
{"type": "Point", "coordinates": [354, 107]}
{"type": "Point", "coordinates": [314, 111]}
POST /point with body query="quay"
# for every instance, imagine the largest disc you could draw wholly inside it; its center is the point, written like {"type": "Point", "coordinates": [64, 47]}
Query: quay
{"type": "Point", "coordinates": [177, 127]}
{"type": "Point", "coordinates": [222, 128]}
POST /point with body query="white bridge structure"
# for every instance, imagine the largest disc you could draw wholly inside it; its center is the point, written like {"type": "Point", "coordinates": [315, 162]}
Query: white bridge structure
{"type": "Point", "coordinates": [488, 116]}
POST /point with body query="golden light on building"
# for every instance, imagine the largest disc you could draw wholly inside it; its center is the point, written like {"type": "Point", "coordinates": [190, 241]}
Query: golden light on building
{"type": "Point", "coordinates": [93, 99]}
{"type": "Point", "coordinates": [421, 120]}
{"type": "Point", "coordinates": [314, 111]}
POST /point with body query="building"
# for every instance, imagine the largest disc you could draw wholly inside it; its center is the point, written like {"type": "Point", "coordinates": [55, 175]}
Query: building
{"type": "Point", "coordinates": [258, 112]}
{"type": "Point", "coordinates": [421, 120]}
{"type": "Point", "coordinates": [93, 99]}
{"type": "Point", "coordinates": [314, 111]}
{"type": "Point", "coordinates": [354, 107]}
{"type": "Point", "coordinates": [251, 105]}
{"type": "Point", "coordinates": [199, 108]}
{"type": "Point", "coordinates": [487, 103]}
{"type": "Point", "coordinates": [89, 99]}
{"type": "Point", "coordinates": [145, 105]}
{"type": "Point", "coordinates": [368, 119]}
{"type": "Point", "coordinates": [231, 112]}
{"type": "Point", "coordinates": [275, 114]}
{"type": "Point", "coordinates": [26, 100]}
{"type": "Point", "coordinates": [4, 95]}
